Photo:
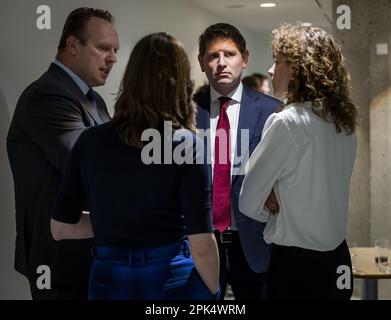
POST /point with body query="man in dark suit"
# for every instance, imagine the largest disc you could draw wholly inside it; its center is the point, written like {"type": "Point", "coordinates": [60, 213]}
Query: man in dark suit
{"type": "Point", "coordinates": [227, 109]}
{"type": "Point", "coordinates": [49, 117]}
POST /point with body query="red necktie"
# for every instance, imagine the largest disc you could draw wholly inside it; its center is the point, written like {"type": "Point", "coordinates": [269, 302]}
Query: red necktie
{"type": "Point", "coordinates": [222, 170]}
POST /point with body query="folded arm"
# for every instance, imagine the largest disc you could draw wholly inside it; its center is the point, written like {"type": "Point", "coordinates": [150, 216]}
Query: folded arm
{"type": "Point", "coordinates": [265, 167]}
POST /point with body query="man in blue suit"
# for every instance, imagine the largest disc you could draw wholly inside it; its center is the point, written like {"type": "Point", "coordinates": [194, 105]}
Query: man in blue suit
{"type": "Point", "coordinates": [233, 117]}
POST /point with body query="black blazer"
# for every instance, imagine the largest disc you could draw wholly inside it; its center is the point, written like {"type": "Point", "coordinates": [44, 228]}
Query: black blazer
{"type": "Point", "coordinates": [254, 110]}
{"type": "Point", "coordinates": [49, 117]}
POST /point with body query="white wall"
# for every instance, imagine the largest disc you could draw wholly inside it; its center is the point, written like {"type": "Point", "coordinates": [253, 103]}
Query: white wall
{"type": "Point", "coordinates": [260, 52]}
{"type": "Point", "coordinates": [26, 53]}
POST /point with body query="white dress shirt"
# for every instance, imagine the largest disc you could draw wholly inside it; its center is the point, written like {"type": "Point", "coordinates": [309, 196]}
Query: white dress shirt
{"type": "Point", "coordinates": [80, 83]}
{"type": "Point", "coordinates": [309, 166]}
{"type": "Point", "coordinates": [233, 111]}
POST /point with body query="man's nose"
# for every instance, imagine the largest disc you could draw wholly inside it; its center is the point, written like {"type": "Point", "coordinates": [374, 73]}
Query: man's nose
{"type": "Point", "coordinates": [112, 56]}
{"type": "Point", "coordinates": [221, 61]}
{"type": "Point", "coordinates": [271, 70]}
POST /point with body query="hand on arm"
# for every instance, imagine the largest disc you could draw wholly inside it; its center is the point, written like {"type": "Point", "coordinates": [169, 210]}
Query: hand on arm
{"type": "Point", "coordinates": [79, 230]}
{"type": "Point", "coordinates": [272, 203]}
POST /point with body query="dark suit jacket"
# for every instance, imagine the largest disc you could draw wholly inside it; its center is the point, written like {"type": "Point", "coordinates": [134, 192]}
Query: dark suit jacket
{"type": "Point", "coordinates": [49, 117]}
{"type": "Point", "coordinates": [254, 110]}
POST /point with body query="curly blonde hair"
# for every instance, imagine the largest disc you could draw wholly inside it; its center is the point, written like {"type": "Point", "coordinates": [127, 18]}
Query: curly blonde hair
{"type": "Point", "coordinates": [318, 73]}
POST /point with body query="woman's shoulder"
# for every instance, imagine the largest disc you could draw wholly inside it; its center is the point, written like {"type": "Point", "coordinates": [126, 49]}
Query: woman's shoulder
{"type": "Point", "coordinates": [92, 131]}
{"type": "Point", "coordinates": [295, 114]}
{"type": "Point", "coordinates": [98, 135]}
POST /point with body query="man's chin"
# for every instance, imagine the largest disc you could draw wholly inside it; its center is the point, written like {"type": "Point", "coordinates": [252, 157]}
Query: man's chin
{"type": "Point", "coordinates": [224, 81]}
{"type": "Point", "coordinates": [100, 83]}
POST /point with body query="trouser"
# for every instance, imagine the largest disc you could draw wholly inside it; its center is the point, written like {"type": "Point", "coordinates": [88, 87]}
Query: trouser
{"type": "Point", "coordinates": [162, 273]}
{"type": "Point", "coordinates": [234, 269]}
{"type": "Point", "coordinates": [296, 273]}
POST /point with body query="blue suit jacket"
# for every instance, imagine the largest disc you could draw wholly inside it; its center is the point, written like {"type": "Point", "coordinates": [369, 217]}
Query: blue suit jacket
{"type": "Point", "coordinates": [254, 110]}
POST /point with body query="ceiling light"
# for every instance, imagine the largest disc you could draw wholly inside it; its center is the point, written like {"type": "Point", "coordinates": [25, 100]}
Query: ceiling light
{"type": "Point", "coordinates": [306, 24]}
{"type": "Point", "coordinates": [267, 5]}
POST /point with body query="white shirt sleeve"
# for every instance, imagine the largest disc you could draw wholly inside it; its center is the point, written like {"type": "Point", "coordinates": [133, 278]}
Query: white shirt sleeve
{"type": "Point", "coordinates": [265, 166]}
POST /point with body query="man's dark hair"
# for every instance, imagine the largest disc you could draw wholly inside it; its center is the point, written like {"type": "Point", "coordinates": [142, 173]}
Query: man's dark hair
{"type": "Point", "coordinates": [222, 31]}
{"type": "Point", "coordinates": [76, 23]}
{"type": "Point", "coordinates": [250, 81]}
{"type": "Point", "coordinates": [260, 77]}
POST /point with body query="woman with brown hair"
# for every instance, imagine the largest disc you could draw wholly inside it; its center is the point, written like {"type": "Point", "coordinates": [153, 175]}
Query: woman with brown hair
{"type": "Point", "coordinates": [306, 158]}
{"type": "Point", "coordinates": [151, 221]}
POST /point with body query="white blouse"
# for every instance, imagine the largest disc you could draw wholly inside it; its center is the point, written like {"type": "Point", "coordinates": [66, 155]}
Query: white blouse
{"type": "Point", "coordinates": [309, 166]}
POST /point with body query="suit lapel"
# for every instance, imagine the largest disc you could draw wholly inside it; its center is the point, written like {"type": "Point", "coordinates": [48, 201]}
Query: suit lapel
{"type": "Point", "coordinates": [249, 114]}
{"type": "Point", "coordinates": [91, 110]}
{"type": "Point", "coordinates": [248, 119]}
{"type": "Point", "coordinates": [102, 109]}
{"type": "Point", "coordinates": [202, 100]}
{"type": "Point", "coordinates": [74, 88]}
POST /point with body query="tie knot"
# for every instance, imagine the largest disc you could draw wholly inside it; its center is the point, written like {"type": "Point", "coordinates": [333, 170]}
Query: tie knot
{"type": "Point", "coordinates": [91, 96]}
{"type": "Point", "coordinates": [224, 102]}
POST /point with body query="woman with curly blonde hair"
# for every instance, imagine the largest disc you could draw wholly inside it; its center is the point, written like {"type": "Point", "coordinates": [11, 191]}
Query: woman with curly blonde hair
{"type": "Point", "coordinates": [305, 160]}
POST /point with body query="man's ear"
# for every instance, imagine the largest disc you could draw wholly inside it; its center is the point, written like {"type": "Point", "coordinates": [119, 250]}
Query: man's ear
{"type": "Point", "coordinates": [72, 45]}
{"type": "Point", "coordinates": [245, 56]}
{"type": "Point", "coordinates": [201, 62]}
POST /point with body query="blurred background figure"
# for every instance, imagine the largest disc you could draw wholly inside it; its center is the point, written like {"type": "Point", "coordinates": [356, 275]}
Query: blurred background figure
{"type": "Point", "coordinates": [258, 82]}
{"type": "Point", "coordinates": [262, 83]}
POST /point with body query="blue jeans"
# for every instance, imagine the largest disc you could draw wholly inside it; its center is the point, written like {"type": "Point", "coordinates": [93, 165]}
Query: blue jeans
{"type": "Point", "coordinates": [163, 273]}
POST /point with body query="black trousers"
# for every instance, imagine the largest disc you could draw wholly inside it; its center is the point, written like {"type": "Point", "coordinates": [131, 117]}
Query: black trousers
{"type": "Point", "coordinates": [59, 292]}
{"type": "Point", "coordinates": [234, 269]}
{"type": "Point", "coordinates": [296, 273]}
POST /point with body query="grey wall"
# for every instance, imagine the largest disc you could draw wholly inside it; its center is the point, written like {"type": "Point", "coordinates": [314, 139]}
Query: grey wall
{"type": "Point", "coordinates": [13, 285]}
{"type": "Point", "coordinates": [26, 53]}
{"type": "Point", "coordinates": [260, 53]}
{"type": "Point", "coordinates": [370, 206]}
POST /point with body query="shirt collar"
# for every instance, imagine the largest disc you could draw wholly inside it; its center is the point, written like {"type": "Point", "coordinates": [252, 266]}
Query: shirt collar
{"type": "Point", "coordinates": [80, 83]}
{"type": "Point", "coordinates": [235, 94]}
{"type": "Point", "coordinates": [304, 104]}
